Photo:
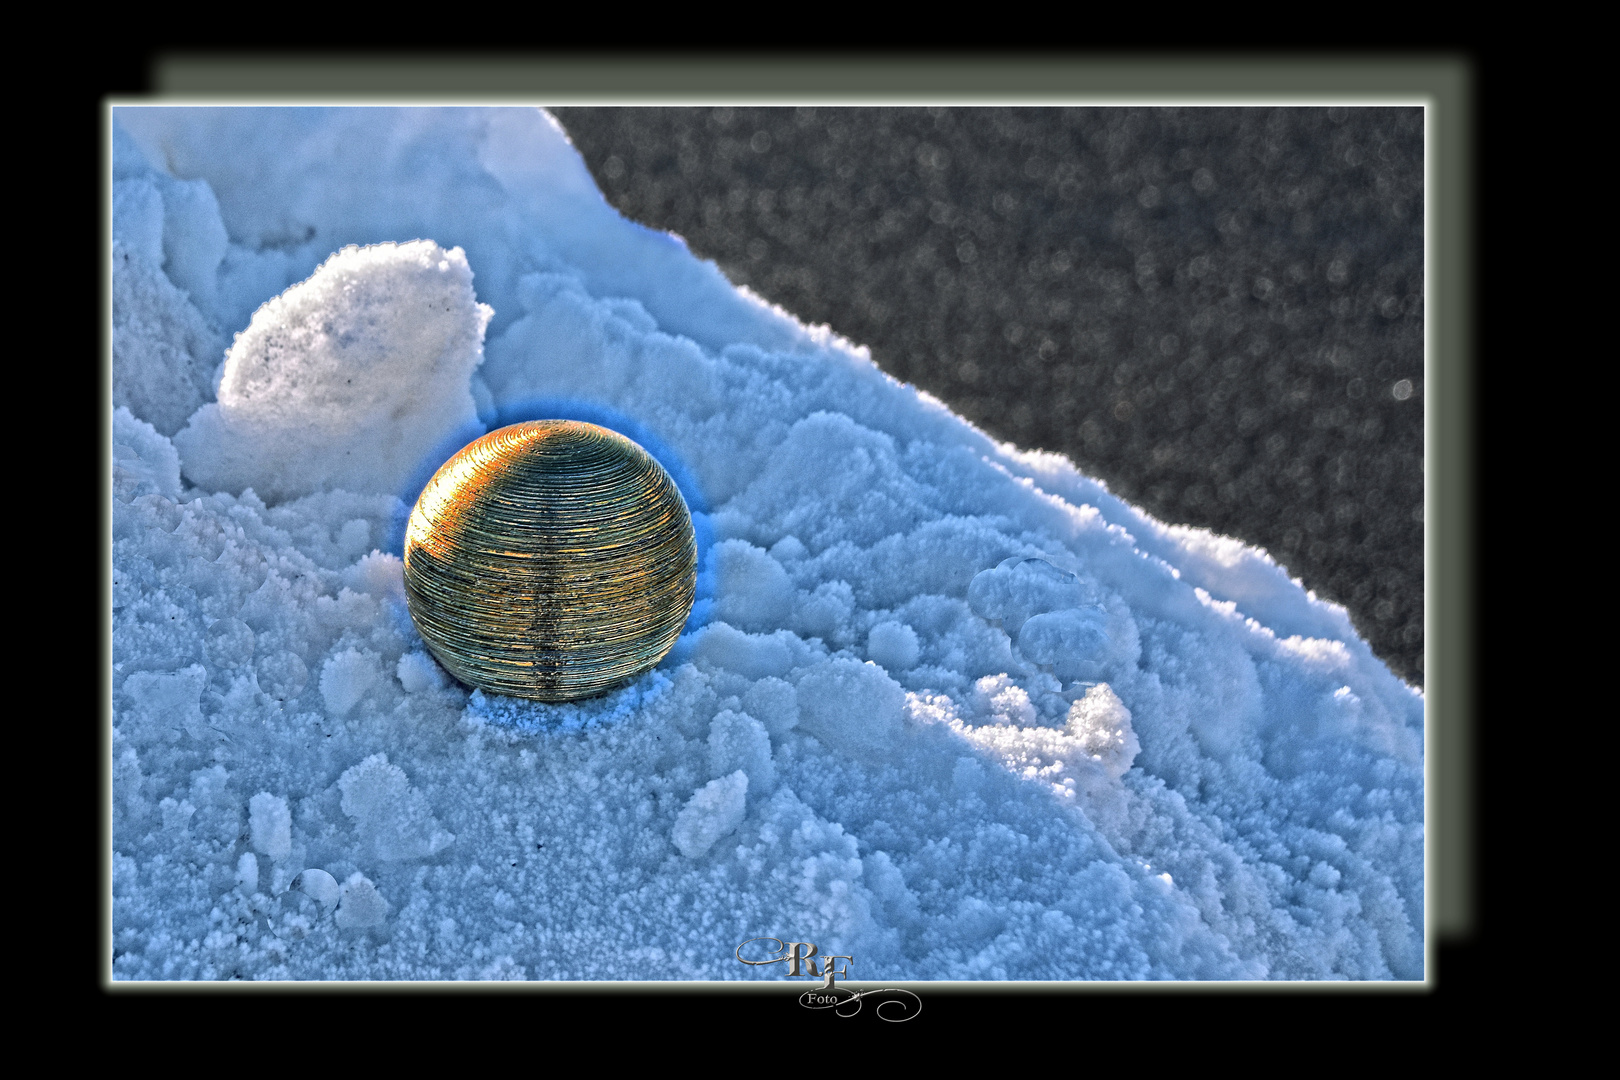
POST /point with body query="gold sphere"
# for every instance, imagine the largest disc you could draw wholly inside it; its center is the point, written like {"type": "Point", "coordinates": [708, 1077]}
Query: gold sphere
{"type": "Point", "coordinates": [552, 560]}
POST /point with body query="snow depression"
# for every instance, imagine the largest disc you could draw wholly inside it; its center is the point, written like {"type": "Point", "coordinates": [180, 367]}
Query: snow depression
{"type": "Point", "coordinates": [944, 706]}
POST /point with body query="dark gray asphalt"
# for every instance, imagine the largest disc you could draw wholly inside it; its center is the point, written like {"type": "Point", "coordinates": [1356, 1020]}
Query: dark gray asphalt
{"type": "Point", "coordinates": [1219, 311]}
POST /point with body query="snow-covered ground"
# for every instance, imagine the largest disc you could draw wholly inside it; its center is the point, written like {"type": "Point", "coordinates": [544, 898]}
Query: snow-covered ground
{"type": "Point", "coordinates": [943, 706]}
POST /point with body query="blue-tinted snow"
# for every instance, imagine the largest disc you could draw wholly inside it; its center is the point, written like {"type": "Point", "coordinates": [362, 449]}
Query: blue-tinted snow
{"type": "Point", "coordinates": [949, 708]}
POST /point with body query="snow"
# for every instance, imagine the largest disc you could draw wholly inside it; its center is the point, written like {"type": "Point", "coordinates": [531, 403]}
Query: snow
{"type": "Point", "coordinates": [714, 810]}
{"type": "Point", "coordinates": [738, 742]}
{"type": "Point", "coordinates": [943, 705]}
{"type": "Point", "coordinates": [893, 646]}
{"type": "Point", "coordinates": [361, 904]}
{"type": "Point", "coordinates": [346, 380]}
{"type": "Point", "coordinates": [346, 677]}
{"type": "Point", "coordinates": [270, 821]}
{"type": "Point", "coordinates": [247, 873]}
{"type": "Point", "coordinates": [418, 672]}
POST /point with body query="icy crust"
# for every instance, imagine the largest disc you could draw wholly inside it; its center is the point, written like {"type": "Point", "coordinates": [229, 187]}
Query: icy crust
{"type": "Point", "coordinates": [947, 708]}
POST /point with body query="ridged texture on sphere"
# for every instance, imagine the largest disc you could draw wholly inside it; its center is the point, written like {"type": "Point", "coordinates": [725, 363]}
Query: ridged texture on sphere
{"type": "Point", "coordinates": [551, 560]}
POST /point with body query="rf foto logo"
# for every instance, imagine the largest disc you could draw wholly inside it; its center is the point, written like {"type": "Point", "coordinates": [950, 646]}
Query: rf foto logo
{"type": "Point", "coordinates": [802, 958]}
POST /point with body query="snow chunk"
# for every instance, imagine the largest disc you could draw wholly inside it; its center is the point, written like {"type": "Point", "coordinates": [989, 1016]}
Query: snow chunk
{"type": "Point", "coordinates": [247, 873]}
{"type": "Point", "coordinates": [349, 379]}
{"type": "Point", "coordinates": [418, 672]}
{"type": "Point", "coordinates": [752, 591]}
{"type": "Point", "coordinates": [270, 823]}
{"type": "Point", "coordinates": [893, 645]}
{"type": "Point", "coordinates": [714, 810]}
{"type": "Point", "coordinates": [169, 699]}
{"type": "Point", "coordinates": [137, 218]}
{"type": "Point", "coordinates": [738, 741]}
{"type": "Point", "coordinates": [380, 574]}
{"type": "Point", "coordinates": [750, 655]}
{"type": "Point", "coordinates": [361, 905]}
{"type": "Point", "coordinates": [1001, 700]}
{"type": "Point", "coordinates": [775, 702]}
{"type": "Point", "coordinates": [168, 241]}
{"type": "Point", "coordinates": [1102, 723]}
{"type": "Point", "coordinates": [851, 706]}
{"type": "Point", "coordinates": [392, 819]}
{"type": "Point", "coordinates": [165, 352]}
{"type": "Point", "coordinates": [345, 679]}
{"type": "Point", "coordinates": [144, 462]}
{"type": "Point", "coordinates": [194, 238]}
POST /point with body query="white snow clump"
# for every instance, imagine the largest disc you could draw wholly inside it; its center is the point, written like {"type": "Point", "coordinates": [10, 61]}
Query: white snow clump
{"type": "Point", "coordinates": [347, 380]}
{"type": "Point", "coordinates": [714, 810]}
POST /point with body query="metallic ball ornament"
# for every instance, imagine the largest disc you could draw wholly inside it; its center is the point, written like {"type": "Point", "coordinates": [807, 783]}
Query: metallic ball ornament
{"type": "Point", "coordinates": [551, 560]}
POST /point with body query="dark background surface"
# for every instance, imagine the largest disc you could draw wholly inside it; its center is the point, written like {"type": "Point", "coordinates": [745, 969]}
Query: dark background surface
{"type": "Point", "coordinates": [1218, 311]}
